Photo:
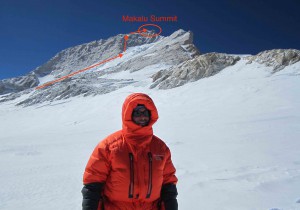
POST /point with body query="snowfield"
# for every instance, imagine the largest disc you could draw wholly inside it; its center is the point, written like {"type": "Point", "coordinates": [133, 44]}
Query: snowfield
{"type": "Point", "coordinates": [234, 137]}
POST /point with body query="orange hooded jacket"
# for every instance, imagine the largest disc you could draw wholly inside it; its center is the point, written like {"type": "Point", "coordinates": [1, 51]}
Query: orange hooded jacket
{"type": "Point", "coordinates": [132, 162]}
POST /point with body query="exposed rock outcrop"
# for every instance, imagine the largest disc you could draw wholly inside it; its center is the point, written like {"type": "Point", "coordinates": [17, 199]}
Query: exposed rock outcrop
{"type": "Point", "coordinates": [278, 58]}
{"type": "Point", "coordinates": [18, 84]}
{"type": "Point", "coordinates": [192, 70]}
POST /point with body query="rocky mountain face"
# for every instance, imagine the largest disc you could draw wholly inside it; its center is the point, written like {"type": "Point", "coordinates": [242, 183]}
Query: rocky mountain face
{"type": "Point", "coordinates": [209, 64]}
{"type": "Point", "coordinates": [192, 70]}
{"type": "Point", "coordinates": [18, 84]}
{"type": "Point", "coordinates": [278, 58]}
{"type": "Point", "coordinates": [172, 50]}
{"type": "Point", "coordinates": [180, 61]}
{"type": "Point", "coordinates": [81, 56]}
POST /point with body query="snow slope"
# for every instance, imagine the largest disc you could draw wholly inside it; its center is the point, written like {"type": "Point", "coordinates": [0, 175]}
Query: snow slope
{"type": "Point", "coordinates": [234, 138]}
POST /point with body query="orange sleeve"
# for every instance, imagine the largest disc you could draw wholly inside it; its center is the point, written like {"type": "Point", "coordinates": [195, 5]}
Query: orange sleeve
{"type": "Point", "coordinates": [169, 170]}
{"type": "Point", "coordinates": [98, 166]}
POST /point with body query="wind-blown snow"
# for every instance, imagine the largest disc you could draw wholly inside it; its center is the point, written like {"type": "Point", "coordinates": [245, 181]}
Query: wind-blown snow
{"type": "Point", "coordinates": [234, 139]}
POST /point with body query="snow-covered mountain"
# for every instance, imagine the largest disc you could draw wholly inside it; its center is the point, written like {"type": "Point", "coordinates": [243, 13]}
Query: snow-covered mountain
{"type": "Point", "coordinates": [231, 122]}
{"type": "Point", "coordinates": [170, 62]}
{"type": "Point", "coordinates": [142, 53]}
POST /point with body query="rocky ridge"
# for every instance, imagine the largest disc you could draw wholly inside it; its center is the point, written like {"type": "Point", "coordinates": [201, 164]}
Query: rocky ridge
{"type": "Point", "coordinates": [277, 58]}
{"type": "Point", "coordinates": [18, 84]}
{"type": "Point", "coordinates": [171, 50]}
{"type": "Point", "coordinates": [192, 70]}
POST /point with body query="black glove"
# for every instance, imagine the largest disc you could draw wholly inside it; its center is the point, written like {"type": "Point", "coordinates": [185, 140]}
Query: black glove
{"type": "Point", "coordinates": [168, 196]}
{"type": "Point", "coordinates": [91, 194]}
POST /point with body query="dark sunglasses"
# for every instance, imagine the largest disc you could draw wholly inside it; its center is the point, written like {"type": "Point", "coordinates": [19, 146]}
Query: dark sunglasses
{"type": "Point", "coordinates": [139, 113]}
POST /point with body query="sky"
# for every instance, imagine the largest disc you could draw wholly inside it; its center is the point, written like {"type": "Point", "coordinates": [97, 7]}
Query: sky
{"type": "Point", "coordinates": [33, 31]}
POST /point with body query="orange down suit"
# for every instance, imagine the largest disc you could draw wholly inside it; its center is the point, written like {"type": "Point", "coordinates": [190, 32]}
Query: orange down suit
{"type": "Point", "coordinates": [132, 162]}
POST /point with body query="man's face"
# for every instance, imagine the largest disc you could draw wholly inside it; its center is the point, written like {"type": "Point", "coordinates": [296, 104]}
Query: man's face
{"type": "Point", "coordinates": [141, 116]}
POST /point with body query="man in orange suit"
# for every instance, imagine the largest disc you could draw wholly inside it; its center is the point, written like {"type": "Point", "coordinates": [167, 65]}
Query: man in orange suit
{"type": "Point", "coordinates": [131, 169]}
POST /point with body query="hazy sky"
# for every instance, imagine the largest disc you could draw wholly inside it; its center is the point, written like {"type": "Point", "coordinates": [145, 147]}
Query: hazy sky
{"type": "Point", "coordinates": [33, 31]}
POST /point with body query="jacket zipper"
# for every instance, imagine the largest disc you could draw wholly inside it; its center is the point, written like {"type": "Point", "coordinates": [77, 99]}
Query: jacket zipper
{"type": "Point", "coordinates": [130, 194]}
{"type": "Point", "coordinates": [150, 176]}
